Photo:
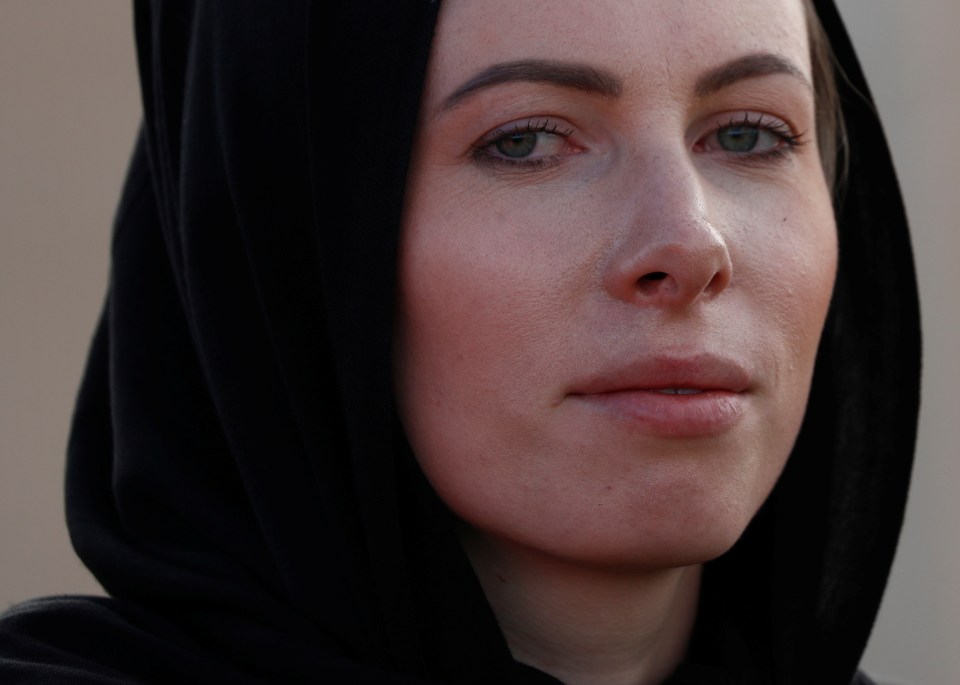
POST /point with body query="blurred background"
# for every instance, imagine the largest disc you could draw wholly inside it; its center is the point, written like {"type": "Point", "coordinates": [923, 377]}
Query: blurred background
{"type": "Point", "coordinates": [68, 116]}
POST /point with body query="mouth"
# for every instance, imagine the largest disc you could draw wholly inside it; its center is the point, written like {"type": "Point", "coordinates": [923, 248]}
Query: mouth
{"type": "Point", "coordinates": [687, 396]}
{"type": "Point", "coordinates": [686, 375]}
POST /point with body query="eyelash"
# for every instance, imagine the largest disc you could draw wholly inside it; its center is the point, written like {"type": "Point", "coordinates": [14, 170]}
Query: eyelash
{"type": "Point", "coordinates": [783, 131]}
{"type": "Point", "coordinates": [482, 155]}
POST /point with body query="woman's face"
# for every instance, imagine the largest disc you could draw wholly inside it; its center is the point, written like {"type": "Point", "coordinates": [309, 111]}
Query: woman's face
{"type": "Point", "coordinates": [617, 255]}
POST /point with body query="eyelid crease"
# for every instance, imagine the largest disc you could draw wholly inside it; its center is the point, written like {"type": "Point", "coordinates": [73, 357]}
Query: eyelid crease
{"type": "Point", "coordinates": [542, 125]}
{"type": "Point", "coordinates": [768, 122]}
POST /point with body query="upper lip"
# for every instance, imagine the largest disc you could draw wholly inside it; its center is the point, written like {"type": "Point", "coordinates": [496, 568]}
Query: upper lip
{"type": "Point", "coordinates": [700, 371]}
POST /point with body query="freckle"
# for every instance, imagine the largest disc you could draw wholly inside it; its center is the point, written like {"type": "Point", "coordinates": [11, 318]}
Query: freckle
{"type": "Point", "coordinates": [784, 219]}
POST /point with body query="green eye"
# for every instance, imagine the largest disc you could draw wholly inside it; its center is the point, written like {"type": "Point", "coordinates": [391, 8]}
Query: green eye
{"type": "Point", "coordinates": [517, 145]}
{"type": "Point", "coordinates": [746, 137]}
{"type": "Point", "coordinates": [525, 145]}
{"type": "Point", "coordinates": [739, 138]}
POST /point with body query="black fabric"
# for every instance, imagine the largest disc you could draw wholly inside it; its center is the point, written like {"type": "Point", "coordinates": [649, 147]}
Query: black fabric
{"type": "Point", "coordinates": [237, 479]}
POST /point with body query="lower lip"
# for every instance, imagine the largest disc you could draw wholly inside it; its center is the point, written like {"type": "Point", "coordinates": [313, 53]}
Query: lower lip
{"type": "Point", "coordinates": [671, 416]}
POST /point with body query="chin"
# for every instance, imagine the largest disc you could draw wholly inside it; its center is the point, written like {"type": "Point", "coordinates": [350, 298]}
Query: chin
{"type": "Point", "coordinates": [651, 533]}
{"type": "Point", "coordinates": [665, 549]}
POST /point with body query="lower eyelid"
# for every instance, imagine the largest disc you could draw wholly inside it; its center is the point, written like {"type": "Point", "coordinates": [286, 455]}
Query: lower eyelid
{"type": "Point", "coordinates": [495, 164]}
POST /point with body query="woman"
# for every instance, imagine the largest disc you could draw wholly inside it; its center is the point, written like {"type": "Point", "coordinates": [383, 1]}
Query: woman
{"type": "Point", "coordinates": [596, 330]}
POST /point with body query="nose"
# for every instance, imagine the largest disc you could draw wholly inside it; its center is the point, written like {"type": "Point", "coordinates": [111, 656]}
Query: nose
{"type": "Point", "coordinates": [669, 255]}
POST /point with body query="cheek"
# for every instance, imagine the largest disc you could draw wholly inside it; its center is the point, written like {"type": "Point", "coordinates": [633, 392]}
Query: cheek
{"type": "Point", "coordinates": [785, 261]}
{"type": "Point", "coordinates": [487, 287]}
{"type": "Point", "coordinates": [792, 269]}
{"type": "Point", "coordinates": [804, 275]}
{"type": "Point", "coordinates": [459, 292]}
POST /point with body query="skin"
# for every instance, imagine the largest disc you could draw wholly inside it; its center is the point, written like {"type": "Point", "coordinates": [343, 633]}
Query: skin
{"type": "Point", "coordinates": [626, 235]}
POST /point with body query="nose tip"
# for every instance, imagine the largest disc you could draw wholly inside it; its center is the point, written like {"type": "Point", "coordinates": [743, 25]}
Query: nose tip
{"type": "Point", "coordinates": [673, 274]}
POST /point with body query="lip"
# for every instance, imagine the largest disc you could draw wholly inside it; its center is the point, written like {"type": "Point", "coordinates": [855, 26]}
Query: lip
{"type": "Point", "coordinates": [633, 392]}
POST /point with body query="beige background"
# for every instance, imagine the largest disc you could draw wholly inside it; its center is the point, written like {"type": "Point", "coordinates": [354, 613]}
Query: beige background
{"type": "Point", "coordinates": [68, 114]}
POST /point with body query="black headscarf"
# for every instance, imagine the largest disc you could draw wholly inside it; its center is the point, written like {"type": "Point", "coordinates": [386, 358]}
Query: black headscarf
{"type": "Point", "coordinates": [237, 478]}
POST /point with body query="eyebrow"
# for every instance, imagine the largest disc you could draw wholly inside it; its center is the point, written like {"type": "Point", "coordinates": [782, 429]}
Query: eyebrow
{"type": "Point", "coordinates": [566, 75]}
{"type": "Point", "coordinates": [598, 81]}
{"type": "Point", "coordinates": [747, 67]}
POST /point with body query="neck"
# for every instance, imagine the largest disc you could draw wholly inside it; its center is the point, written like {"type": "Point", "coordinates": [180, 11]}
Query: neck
{"type": "Point", "coordinates": [585, 624]}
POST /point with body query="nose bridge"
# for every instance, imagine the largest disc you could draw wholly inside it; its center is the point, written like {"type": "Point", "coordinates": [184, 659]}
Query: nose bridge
{"type": "Point", "coordinates": [674, 188]}
{"type": "Point", "coordinates": [670, 253]}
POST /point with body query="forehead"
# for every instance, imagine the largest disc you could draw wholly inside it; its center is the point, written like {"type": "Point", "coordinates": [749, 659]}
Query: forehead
{"type": "Point", "coordinates": [666, 43]}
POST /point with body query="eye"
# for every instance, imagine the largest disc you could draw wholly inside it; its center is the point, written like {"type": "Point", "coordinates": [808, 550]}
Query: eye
{"type": "Point", "coordinates": [533, 143]}
{"type": "Point", "coordinates": [518, 145]}
{"type": "Point", "coordinates": [752, 136]}
{"type": "Point", "coordinates": [746, 139]}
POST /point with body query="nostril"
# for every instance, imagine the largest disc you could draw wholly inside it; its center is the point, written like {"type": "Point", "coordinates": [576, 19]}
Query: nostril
{"type": "Point", "coordinates": [651, 283]}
